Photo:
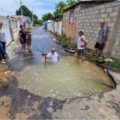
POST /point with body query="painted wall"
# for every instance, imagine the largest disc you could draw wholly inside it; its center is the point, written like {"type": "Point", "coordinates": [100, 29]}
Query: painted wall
{"type": "Point", "coordinates": [11, 28]}
{"type": "Point", "coordinates": [55, 27]}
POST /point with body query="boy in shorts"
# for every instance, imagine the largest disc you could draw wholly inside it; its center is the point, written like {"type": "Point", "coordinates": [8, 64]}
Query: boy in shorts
{"type": "Point", "coordinates": [81, 45]}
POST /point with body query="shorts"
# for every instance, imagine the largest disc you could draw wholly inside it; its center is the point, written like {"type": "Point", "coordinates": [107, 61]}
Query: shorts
{"type": "Point", "coordinates": [99, 46]}
{"type": "Point", "coordinates": [22, 41]}
{"type": "Point", "coordinates": [80, 52]}
{"type": "Point", "coordinates": [28, 42]}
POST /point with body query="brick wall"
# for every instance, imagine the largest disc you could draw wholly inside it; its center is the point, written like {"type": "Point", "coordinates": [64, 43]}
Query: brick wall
{"type": "Point", "coordinates": [116, 45]}
{"type": "Point", "coordinates": [69, 29]}
{"type": "Point", "coordinates": [87, 19]}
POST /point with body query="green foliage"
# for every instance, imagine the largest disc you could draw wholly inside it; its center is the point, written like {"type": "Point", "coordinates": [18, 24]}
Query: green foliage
{"type": "Point", "coordinates": [64, 41]}
{"type": "Point", "coordinates": [58, 14]}
{"type": "Point", "coordinates": [38, 22]}
{"type": "Point", "coordinates": [26, 12]}
{"type": "Point", "coordinates": [47, 16]}
{"type": "Point", "coordinates": [71, 2]}
{"type": "Point", "coordinates": [115, 63]}
{"type": "Point", "coordinates": [92, 58]}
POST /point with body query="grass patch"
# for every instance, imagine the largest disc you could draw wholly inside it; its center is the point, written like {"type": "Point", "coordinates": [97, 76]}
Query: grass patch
{"type": "Point", "coordinates": [64, 41]}
{"type": "Point", "coordinates": [115, 63]}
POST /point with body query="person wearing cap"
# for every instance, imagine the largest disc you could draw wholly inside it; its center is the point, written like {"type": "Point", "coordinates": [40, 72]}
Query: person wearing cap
{"type": "Point", "coordinates": [101, 39]}
{"type": "Point", "coordinates": [52, 56]}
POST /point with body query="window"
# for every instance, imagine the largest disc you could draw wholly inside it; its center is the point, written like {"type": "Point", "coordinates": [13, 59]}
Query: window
{"type": "Point", "coordinates": [71, 16]}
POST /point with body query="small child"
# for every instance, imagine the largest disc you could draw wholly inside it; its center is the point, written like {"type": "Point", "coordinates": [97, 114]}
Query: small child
{"type": "Point", "coordinates": [81, 45]}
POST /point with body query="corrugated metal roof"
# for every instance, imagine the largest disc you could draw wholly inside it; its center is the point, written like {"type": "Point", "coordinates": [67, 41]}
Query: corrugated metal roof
{"type": "Point", "coordinates": [88, 2]}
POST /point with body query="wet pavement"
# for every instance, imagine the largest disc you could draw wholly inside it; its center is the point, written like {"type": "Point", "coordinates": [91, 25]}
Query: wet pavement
{"type": "Point", "coordinates": [16, 100]}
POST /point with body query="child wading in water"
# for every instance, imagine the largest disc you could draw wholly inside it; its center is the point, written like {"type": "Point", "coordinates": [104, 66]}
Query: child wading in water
{"type": "Point", "coordinates": [81, 45]}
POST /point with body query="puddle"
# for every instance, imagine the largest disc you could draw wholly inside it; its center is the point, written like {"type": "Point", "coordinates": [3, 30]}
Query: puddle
{"type": "Point", "coordinates": [69, 78]}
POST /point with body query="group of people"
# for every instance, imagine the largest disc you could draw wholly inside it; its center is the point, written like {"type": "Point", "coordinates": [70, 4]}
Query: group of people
{"type": "Point", "coordinates": [82, 43]}
{"type": "Point", "coordinates": [99, 45]}
{"type": "Point", "coordinates": [3, 54]}
{"type": "Point", "coordinates": [25, 39]}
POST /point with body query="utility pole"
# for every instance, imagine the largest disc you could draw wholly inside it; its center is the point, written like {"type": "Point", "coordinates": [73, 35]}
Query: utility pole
{"type": "Point", "coordinates": [21, 8]}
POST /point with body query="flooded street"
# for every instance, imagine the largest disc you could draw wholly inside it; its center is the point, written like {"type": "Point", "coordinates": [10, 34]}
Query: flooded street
{"type": "Point", "coordinates": [69, 78]}
{"type": "Point", "coordinates": [37, 91]}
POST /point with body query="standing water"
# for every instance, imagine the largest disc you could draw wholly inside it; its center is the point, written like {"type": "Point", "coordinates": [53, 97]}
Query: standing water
{"type": "Point", "coordinates": [69, 78]}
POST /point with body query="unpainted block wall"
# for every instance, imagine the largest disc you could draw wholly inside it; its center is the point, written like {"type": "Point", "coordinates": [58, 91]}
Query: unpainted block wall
{"type": "Point", "coordinates": [87, 19]}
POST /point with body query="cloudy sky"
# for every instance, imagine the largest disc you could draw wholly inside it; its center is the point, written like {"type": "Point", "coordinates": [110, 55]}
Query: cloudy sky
{"type": "Point", "coordinates": [40, 7]}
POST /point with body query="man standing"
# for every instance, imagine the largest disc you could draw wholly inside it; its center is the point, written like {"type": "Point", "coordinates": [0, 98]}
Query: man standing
{"type": "Point", "coordinates": [101, 39]}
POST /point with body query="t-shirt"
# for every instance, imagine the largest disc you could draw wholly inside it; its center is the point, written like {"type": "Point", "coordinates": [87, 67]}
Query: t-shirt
{"type": "Point", "coordinates": [102, 35]}
{"type": "Point", "coordinates": [81, 43]}
{"type": "Point", "coordinates": [2, 35]}
{"type": "Point", "coordinates": [53, 57]}
{"type": "Point", "coordinates": [23, 35]}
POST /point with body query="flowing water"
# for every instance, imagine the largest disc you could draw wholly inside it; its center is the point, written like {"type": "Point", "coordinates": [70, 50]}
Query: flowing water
{"type": "Point", "coordinates": [69, 78]}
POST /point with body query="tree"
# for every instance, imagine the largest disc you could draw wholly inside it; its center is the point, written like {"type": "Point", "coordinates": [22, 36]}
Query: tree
{"type": "Point", "coordinates": [26, 12]}
{"type": "Point", "coordinates": [38, 22]}
{"type": "Point", "coordinates": [58, 14]}
{"type": "Point", "coordinates": [71, 2]}
{"type": "Point", "coordinates": [47, 16]}
{"type": "Point", "coordinates": [35, 16]}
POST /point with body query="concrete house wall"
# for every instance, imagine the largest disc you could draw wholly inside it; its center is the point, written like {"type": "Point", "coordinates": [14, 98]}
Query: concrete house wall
{"type": "Point", "coordinates": [54, 27]}
{"type": "Point", "coordinates": [11, 28]}
{"type": "Point", "coordinates": [87, 17]}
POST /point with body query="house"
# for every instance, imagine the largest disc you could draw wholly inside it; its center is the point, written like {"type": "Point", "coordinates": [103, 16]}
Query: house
{"type": "Point", "coordinates": [86, 15]}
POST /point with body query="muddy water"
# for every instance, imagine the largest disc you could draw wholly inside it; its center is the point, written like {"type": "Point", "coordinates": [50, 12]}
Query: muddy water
{"type": "Point", "coordinates": [69, 78]}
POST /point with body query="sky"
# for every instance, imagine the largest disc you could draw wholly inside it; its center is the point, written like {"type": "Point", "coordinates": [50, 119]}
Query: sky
{"type": "Point", "coordinates": [40, 7]}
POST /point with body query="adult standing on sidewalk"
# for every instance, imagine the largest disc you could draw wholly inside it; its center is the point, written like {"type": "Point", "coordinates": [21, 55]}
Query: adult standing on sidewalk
{"type": "Point", "coordinates": [101, 39]}
{"type": "Point", "coordinates": [2, 44]}
{"type": "Point", "coordinates": [2, 36]}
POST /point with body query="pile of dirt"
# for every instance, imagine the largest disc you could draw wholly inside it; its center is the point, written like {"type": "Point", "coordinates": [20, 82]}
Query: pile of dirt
{"type": "Point", "coordinates": [5, 79]}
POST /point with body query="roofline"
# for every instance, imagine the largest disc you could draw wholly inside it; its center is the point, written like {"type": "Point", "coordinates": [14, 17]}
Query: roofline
{"type": "Point", "coordinates": [87, 2]}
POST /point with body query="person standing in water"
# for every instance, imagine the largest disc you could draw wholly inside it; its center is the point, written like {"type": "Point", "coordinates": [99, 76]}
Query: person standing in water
{"type": "Point", "coordinates": [81, 45]}
{"type": "Point", "coordinates": [52, 56]}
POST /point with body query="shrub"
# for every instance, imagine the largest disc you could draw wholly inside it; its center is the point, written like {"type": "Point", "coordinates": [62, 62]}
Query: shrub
{"type": "Point", "coordinates": [115, 63]}
{"type": "Point", "coordinates": [64, 41]}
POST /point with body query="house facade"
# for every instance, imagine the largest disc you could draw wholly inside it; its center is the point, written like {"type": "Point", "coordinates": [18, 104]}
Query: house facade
{"type": "Point", "coordinates": [86, 16]}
